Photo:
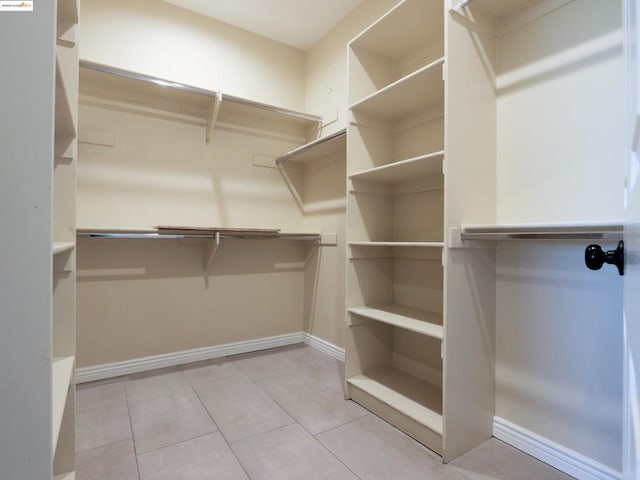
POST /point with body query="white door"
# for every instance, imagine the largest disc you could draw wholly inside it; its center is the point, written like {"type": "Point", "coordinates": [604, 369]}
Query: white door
{"type": "Point", "coordinates": [631, 443]}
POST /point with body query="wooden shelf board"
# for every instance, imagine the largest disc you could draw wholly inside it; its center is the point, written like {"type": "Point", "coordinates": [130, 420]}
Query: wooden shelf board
{"type": "Point", "coordinates": [398, 244]}
{"type": "Point", "coordinates": [409, 24]}
{"type": "Point", "coordinates": [66, 476]}
{"type": "Point", "coordinates": [420, 90]}
{"type": "Point", "coordinates": [61, 373]}
{"type": "Point", "coordinates": [415, 398]}
{"type": "Point", "coordinates": [423, 165]}
{"type": "Point", "coordinates": [316, 150]}
{"type": "Point", "coordinates": [60, 247]}
{"type": "Point", "coordinates": [65, 123]}
{"type": "Point", "coordinates": [419, 321]}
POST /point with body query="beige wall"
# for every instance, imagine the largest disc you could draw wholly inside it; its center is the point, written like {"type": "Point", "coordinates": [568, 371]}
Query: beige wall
{"type": "Point", "coordinates": [159, 39]}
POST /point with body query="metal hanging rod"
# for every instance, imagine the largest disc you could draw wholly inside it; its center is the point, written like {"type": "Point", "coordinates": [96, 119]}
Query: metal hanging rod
{"type": "Point", "coordinates": [568, 231]}
{"type": "Point", "coordinates": [201, 91]}
{"type": "Point", "coordinates": [316, 143]}
{"type": "Point", "coordinates": [163, 236]}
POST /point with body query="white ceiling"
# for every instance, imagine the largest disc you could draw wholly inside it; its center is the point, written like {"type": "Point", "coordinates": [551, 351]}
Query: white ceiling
{"type": "Point", "coordinates": [299, 23]}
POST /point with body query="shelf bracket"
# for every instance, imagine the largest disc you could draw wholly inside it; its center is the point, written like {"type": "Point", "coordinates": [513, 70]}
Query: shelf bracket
{"type": "Point", "coordinates": [210, 249]}
{"type": "Point", "coordinates": [212, 115]}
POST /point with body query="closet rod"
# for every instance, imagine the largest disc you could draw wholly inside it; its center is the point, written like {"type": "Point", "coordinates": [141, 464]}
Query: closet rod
{"type": "Point", "coordinates": [316, 143]}
{"type": "Point", "coordinates": [568, 231]}
{"type": "Point", "coordinates": [154, 236]}
{"type": "Point", "coordinates": [201, 91]}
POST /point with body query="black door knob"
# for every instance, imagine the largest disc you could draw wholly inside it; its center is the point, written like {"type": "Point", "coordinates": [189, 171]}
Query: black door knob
{"type": "Point", "coordinates": [595, 257]}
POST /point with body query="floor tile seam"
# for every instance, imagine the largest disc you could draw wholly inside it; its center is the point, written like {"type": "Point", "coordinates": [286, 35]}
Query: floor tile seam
{"type": "Point", "coordinates": [366, 413]}
{"type": "Point", "coordinates": [115, 442]}
{"type": "Point", "coordinates": [173, 444]}
{"type": "Point", "coordinates": [297, 422]}
{"type": "Point", "coordinates": [202, 404]}
{"type": "Point", "coordinates": [271, 430]}
{"type": "Point", "coordinates": [133, 440]}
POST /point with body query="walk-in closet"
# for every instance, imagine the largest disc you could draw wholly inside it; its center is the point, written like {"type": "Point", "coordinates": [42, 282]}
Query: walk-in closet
{"type": "Point", "coordinates": [304, 240]}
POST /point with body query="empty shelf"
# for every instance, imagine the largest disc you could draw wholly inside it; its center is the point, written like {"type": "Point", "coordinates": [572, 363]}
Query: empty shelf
{"type": "Point", "coordinates": [419, 321]}
{"type": "Point", "coordinates": [421, 90]}
{"type": "Point", "coordinates": [398, 244]}
{"type": "Point", "coordinates": [61, 373]}
{"type": "Point", "coordinates": [60, 247]}
{"type": "Point", "coordinates": [415, 398]}
{"type": "Point", "coordinates": [423, 165]}
{"type": "Point", "coordinates": [543, 231]}
{"type": "Point", "coordinates": [317, 150]}
{"type": "Point", "coordinates": [402, 28]}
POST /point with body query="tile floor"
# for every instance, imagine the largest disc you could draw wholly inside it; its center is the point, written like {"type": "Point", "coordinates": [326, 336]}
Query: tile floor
{"type": "Point", "coordinates": [275, 415]}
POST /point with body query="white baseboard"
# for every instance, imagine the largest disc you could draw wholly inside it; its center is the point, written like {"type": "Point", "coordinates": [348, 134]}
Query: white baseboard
{"type": "Point", "coordinates": [325, 347]}
{"type": "Point", "coordinates": [562, 458]}
{"type": "Point", "coordinates": [109, 370]}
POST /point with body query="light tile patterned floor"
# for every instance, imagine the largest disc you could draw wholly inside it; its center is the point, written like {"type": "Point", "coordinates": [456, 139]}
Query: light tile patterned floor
{"type": "Point", "coordinates": [274, 415]}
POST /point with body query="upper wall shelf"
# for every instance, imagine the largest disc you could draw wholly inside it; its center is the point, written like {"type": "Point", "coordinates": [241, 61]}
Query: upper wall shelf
{"type": "Point", "coordinates": [541, 231]}
{"type": "Point", "coordinates": [316, 150]}
{"type": "Point", "coordinates": [403, 29]}
{"type": "Point", "coordinates": [418, 91]}
{"type": "Point", "coordinates": [506, 15]}
{"type": "Point", "coordinates": [193, 104]}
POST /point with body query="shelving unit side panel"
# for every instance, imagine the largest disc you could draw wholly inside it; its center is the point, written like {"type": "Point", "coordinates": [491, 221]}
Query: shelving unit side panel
{"type": "Point", "coordinates": [469, 349]}
{"type": "Point", "coordinates": [64, 459]}
{"type": "Point", "coordinates": [64, 311]}
{"type": "Point", "coordinates": [469, 275]}
{"type": "Point", "coordinates": [470, 132]}
{"type": "Point", "coordinates": [560, 84]}
{"type": "Point", "coordinates": [418, 283]}
{"type": "Point", "coordinates": [64, 202]}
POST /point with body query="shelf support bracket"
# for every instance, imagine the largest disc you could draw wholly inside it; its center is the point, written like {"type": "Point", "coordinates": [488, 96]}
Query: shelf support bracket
{"type": "Point", "coordinates": [210, 249]}
{"type": "Point", "coordinates": [212, 115]}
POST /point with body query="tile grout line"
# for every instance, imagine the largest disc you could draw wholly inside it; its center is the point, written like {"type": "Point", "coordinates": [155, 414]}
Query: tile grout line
{"type": "Point", "coordinates": [216, 424]}
{"type": "Point", "coordinates": [133, 440]}
{"type": "Point", "coordinates": [310, 434]}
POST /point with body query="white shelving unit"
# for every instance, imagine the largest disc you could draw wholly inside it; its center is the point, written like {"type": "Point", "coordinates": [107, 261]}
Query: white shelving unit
{"type": "Point", "coordinates": [64, 165]}
{"type": "Point", "coordinates": [395, 219]}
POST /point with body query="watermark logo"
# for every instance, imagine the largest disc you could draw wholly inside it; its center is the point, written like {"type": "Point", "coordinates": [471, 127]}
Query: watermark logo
{"type": "Point", "coordinates": [15, 6]}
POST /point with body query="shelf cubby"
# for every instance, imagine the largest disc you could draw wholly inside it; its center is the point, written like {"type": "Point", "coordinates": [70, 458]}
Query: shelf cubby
{"type": "Point", "coordinates": [398, 375]}
{"type": "Point", "coordinates": [420, 166]}
{"type": "Point", "coordinates": [422, 90]}
{"type": "Point", "coordinates": [406, 39]}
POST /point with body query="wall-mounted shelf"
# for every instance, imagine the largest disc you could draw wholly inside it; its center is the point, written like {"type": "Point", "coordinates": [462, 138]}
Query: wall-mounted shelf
{"type": "Point", "coordinates": [210, 108]}
{"type": "Point", "coordinates": [212, 235]}
{"type": "Point", "coordinates": [429, 164]}
{"type": "Point", "coordinates": [419, 321]}
{"type": "Point", "coordinates": [62, 371]}
{"type": "Point", "coordinates": [540, 231]}
{"type": "Point", "coordinates": [318, 149]}
{"type": "Point", "coordinates": [419, 91]}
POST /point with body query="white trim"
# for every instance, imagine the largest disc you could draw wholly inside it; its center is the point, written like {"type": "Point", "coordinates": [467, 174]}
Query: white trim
{"type": "Point", "coordinates": [562, 458]}
{"type": "Point", "coordinates": [109, 370]}
{"type": "Point", "coordinates": [324, 347]}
